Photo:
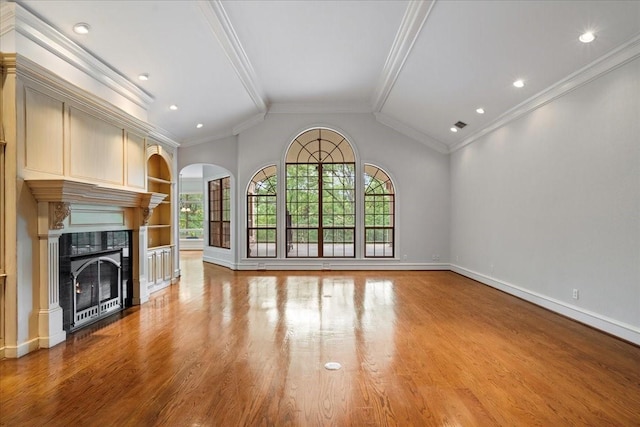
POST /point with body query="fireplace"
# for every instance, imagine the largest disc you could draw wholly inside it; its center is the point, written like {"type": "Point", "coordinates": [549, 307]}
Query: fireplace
{"type": "Point", "coordinates": [97, 286]}
{"type": "Point", "coordinates": [95, 276]}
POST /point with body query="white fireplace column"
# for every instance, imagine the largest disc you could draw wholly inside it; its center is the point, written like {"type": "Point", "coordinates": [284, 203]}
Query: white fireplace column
{"type": "Point", "coordinates": [50, 319]}
{"type": "Point", "coordinates": [140, 290]}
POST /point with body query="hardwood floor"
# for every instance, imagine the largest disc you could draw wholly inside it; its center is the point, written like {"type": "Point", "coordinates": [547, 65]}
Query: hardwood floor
{"type": "Point", "coordinates": [227, 348]}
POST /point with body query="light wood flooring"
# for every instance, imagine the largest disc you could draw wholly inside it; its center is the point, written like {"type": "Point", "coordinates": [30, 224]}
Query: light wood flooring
{"type": "Point", "coordinates": [225, 348]}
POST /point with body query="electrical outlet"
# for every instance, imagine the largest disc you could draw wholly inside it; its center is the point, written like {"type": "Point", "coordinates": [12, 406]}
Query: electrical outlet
{"type": "Point", "coordinates": [575, 294]}
{"type": "Point", "coordinates": [404, 257]}
{"type": "Point", "coordinates": [435, 257]}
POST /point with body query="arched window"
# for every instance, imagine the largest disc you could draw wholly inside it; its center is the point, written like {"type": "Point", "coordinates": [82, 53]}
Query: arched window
{"type": "Point", "coordinates": [379, 217]}
{"type": "Point", "coordinates": [261, 214]}
{"type": "Point", "coordinates": [320, 183]}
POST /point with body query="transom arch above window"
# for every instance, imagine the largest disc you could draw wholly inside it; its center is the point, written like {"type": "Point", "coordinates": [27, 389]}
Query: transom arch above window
{"type": "Point", "coordinates": [320, 145]}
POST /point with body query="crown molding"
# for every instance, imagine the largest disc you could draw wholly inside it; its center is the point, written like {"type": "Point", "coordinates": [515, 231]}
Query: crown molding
{"type": "Point", "coordinates": [206, 139]}
{"type": "Point", "coordinates": [223, 30]}
{"type": "Point", "coordinates": [407, 130]}
{"type": "Point", "coordinates": [40, 78]}
{"type": "Point", "coordinates": [414, 18]}
{"type": "Point", "coordinates": [249, 123]}
{"type": "Point", "coordinates": [314, 108]}
{"type": "Point", "coordinates": [236, 130]}
{"type": "Point", "coordinates": [7, 17]}
{"type": "Point", "coordinates": [601, 66]}
{"type": "Point", "coordinates": [164, 137]}
{"type": "Point", "coordinates": [39, 32]}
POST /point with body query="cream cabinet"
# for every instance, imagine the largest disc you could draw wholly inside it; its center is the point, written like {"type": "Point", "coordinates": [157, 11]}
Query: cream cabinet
{"type": "Point", "coordinates": [160, 244]}
{"type": "Point", "coordinates": [159, 267]}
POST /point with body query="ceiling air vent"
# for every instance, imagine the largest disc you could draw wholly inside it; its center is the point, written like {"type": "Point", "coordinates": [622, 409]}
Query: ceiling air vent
{"type": "Point", "coordinates": [460, 125]}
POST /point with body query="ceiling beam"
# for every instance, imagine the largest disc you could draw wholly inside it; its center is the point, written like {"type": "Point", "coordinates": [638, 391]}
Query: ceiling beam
{"type": "Point", "coordinates": [414, 18]}
{"type": "Point", "coordinates": [221, 26]}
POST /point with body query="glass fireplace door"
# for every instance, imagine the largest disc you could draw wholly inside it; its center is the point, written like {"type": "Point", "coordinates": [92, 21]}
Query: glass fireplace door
{"type": "Point", "coordinates": [97, 282]}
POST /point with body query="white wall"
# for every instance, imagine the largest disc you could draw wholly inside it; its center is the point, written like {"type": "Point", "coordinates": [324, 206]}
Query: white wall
{"type": "Point", "coordinates": [220, 256]}
{"type": "Point", "coordinates": [222, 152]}
{"type": "Point", "coordinates": [551, 202]}
{"type": "Point", "coordinates": [420, 175]}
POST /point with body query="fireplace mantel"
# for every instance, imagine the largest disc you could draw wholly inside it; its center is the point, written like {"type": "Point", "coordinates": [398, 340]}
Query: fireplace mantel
{"type": "Point", "coordinates": [97, 208]}
{"type": "Point", "coordinates": [70, 191]}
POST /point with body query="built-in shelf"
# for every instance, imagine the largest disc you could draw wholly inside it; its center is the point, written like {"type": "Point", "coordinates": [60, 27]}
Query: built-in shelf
{"type": "Point", "coordinates": [158, 180]}
{"type": "Point", "coordinates": [155, 248]}
{"type": "Point", "coordinates": [160, 225]}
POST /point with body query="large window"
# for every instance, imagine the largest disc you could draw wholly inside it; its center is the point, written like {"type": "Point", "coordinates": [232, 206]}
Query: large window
{"type": "Point", "coordinates": [220, 213]}
{"type": "Point", "coordinates": [261, 214]}
{"type": "Point", "coordinates": [191, 216]}
{"type": "Point", "coordinates": [379, 218]}
{"type": "Point", "coordinates": [320, 185]}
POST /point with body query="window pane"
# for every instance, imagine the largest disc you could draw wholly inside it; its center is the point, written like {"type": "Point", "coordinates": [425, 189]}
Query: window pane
{"type": "Point", "coordinates": [191, 220]}
{"type": "Point", "coordinates": [378, 213]}
{"type": "Point", "coordinates": [320, 195]}
{"type": "Point", "coordinates": [220, 213]}
{"type": "Point", "coordinates": [261, 214]}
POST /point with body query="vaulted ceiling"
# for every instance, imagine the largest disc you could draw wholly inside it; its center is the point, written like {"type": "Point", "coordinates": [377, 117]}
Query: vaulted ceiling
{"type": "Point", "coordinates": [419, 66]}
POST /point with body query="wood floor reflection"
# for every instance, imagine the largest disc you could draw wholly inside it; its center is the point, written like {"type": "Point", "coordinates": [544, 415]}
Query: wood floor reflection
{"type": "Point", "coordinates": [226, 348]}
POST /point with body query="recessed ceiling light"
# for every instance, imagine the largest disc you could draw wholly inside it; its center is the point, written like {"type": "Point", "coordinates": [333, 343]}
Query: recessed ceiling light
{"type": "Point", "coordinates": [81, 28]}
{"type": "Point", "coordinates": [518, 83]}
{"type": "Point", "coordinates": [587, 37]}
{"type": "Point", "coordinates": [144, 77]}
{"type": "Point", "coordinates": [173, 107]}
{"type": "Point", "coordinates": [454, 129]}
{"type": "Point", "coordinates": [199, 125]}
{"type": "Point", "coordinates": [480, 110]}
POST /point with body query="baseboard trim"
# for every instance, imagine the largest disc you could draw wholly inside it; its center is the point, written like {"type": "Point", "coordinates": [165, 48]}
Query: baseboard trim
{"type": "Point", "coordinates": [14, 352]}
{"type": "Point", "coordinates": [221, 262]}
{"type": "Point", "coordinates": [336, 265]}
{"type": "Point", "coordinates": [50, 341]}
{"type": "Point", "coordinates": [158, 286]}
{"type": "Point", "coordinates": [603, 323]}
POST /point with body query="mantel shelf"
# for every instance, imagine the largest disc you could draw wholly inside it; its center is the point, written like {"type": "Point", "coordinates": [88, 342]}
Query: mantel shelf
{"type": "Point", "coordinates": [69, 191]}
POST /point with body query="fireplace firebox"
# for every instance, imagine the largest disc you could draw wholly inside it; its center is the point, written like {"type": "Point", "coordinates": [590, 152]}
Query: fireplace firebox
{"type": "Point", "coordinates": [97, 286]}
{"type": "Point", "coordinates": [95, 276]}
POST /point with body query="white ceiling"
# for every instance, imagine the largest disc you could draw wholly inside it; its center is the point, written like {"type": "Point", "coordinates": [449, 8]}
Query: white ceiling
{"type": "Point", "coordinates": [423, 65]}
